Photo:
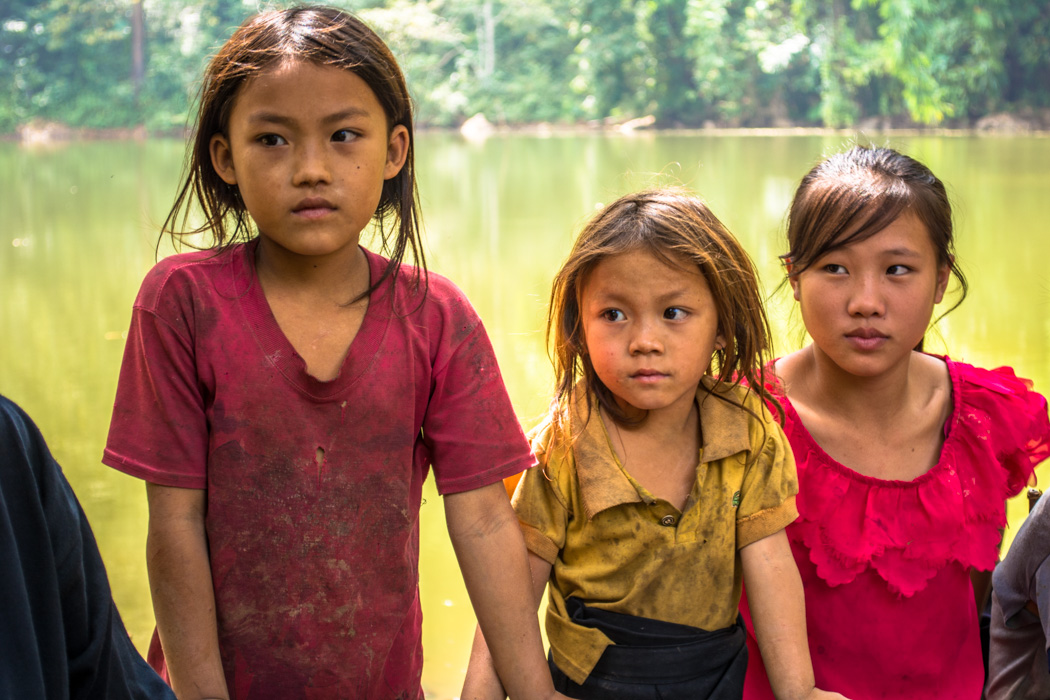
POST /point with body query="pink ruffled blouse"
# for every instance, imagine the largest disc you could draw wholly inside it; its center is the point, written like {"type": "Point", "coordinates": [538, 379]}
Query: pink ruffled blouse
{"type": "Point", "coordinates": [885, 564]}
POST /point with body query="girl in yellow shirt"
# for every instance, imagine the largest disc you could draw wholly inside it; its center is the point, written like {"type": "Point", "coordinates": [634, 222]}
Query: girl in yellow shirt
{"type": "Point", "coordinates": [663, 479]}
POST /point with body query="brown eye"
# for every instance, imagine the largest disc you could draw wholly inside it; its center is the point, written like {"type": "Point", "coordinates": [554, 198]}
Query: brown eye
{"type": "Point", "coordinates": [271, 140]}
{"type": "Point", "coordinates": [674, 313]}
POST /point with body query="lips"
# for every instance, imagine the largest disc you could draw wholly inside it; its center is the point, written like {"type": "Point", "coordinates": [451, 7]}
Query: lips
{"type": "Point", "coordinates": [648, 375]}
{"type": "Point", "coordinates": [866, 339]}
{"type": "Point", "coordinates": [313, 207]}
{"type": "Point", "coordinates": [866, 334]}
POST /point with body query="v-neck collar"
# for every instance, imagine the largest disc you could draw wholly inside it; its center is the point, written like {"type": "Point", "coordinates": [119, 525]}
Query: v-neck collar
{"type": "Point", "coordinates": [280, 352]}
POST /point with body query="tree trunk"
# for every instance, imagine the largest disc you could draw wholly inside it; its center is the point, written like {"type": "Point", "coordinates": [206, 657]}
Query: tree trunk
{"type": "Point", "coordinates": [486, 41]}
{"type": "Point", "coordinates": [138, 52]}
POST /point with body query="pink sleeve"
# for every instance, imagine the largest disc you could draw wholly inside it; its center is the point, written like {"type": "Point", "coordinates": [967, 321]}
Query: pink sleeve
{"type": "Point", "coordinates": [159, 431]}
{"type": "Point", "coordinates": [1002, 409]}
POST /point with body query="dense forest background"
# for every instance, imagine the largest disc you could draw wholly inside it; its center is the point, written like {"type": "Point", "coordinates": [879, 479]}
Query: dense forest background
{"type": "Point", "coordinates": [687, 63]}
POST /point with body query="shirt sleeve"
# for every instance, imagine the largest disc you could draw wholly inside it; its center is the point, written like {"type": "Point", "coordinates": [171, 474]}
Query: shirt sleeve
{"type": "Point", "coordinates": [1004, 416]}
{"type": "Point", "coordinates": [542, 501]}
{"type": "Point", "coordinates": [470, 427]}
{"type": "Point", "coordinates": [159, 430]}
{"type": "Point", "coordinates": [767, 499]}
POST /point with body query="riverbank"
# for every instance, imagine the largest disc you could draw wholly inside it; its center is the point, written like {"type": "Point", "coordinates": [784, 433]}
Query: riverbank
{"type": "Point", "coordinates": [1026, 123]}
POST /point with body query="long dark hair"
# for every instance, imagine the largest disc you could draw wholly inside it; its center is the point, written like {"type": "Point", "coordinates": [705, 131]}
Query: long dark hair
{"type": "Point", "coordinates": [323, 35]}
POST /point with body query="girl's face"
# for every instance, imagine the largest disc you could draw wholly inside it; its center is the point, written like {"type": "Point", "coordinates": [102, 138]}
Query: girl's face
{"type": "Point", "coordinates": [868, 304]}
{"type": "Point", "coordinates": [308, 147]}
{"type": "Point", "coordinates": [650, 329]}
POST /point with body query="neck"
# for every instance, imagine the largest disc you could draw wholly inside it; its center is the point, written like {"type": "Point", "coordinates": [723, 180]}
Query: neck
{"type": "Point", "coordinates": [341, 276]}
{"type": "Point", "coordinates": [849, 394]}
{"type": "Point", "coordinates": [667, 424]}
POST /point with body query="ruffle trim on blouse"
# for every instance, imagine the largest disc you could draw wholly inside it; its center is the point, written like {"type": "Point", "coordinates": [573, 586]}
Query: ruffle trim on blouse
{"type": "Point", "coordinates": [908, 530]}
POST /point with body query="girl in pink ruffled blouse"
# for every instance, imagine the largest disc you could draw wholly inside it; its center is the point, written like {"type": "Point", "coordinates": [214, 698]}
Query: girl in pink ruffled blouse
{"type": "Point", "coordinates": [904, 459]}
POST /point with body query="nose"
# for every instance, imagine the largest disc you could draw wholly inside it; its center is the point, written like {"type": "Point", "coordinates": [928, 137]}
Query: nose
{"type": "Point", "coordinates": [311, 165]}
{"type": "Point", "coordinates": [646, 339]}
{"type": "Point", "coordinates": [866, 297]}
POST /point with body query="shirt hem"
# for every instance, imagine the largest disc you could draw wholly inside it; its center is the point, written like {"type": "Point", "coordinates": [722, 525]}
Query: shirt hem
{"type": "Point", "coordinates": [482, 479]}
{"type": "Point", "coordinates": [765, 522]}
{"type": "Point", "coordinates": [149, 474]}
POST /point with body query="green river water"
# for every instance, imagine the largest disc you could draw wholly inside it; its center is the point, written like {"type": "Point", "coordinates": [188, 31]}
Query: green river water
{"type": "Point", "coordinates": [78, 231]}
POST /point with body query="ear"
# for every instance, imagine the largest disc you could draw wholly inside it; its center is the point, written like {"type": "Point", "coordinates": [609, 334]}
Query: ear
{"type": "Point", "coordinates": [944, 273]}
{"type": "Point", "coordinates": [396, 151]}
{"type": "Point", "coordinates": [222, 159]}
{"type": "Point", "coordinates": [720, 341]}
{"type": "Point", "coordinates": [795, 286]}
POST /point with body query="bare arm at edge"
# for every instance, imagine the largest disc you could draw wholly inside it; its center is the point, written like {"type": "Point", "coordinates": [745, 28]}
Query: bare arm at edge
{"type": "Point", "coordinates": [492, 556]}
{"type": "Point", "coordinates": [982, 580]}
{"type": "Point", "coordinates": [482, 682]}
{"type": "Point", "coordinates": [183, 597]}
{"type": "Point", "coordinates": [778, 609]}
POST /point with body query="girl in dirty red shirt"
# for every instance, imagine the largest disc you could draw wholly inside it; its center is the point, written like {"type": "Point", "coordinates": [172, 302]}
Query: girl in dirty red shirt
{"type": "Point", "coordinates": [285, 392]}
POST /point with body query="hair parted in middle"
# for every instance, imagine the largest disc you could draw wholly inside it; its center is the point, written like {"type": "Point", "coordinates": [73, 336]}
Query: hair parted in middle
{"type": "Point", "coordinates": [673, 225]}
{"type": "Point", "coordinates": [318, 34]}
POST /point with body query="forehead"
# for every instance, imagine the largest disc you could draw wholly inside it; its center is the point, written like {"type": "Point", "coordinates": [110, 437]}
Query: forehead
{"type": "Point", "coordinates": [906, 235]}
{"type": "Point", "coordinates": [304, 87]}
{"type": "Point", "coordinates": [643, 272]}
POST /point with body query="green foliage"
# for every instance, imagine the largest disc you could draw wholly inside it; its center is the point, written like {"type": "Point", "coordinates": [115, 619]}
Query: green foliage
{"type": "Point", "coordinates": [686, 62]}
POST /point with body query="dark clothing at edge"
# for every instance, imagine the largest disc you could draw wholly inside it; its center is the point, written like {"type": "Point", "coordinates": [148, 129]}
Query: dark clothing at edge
{"type": "Point", "coordinates": [60, 634]}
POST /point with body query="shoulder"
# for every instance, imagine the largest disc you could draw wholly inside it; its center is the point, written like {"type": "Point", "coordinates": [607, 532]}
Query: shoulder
{"type": "Point", "coordinates": [998, 419]}
{"type": "Point", "coordinates": [15, 425]}
{"type": "Point", "coordinates": [1021, 574]}
{"type": "Point", "coordinates": [738, 413]}
{"type": "Point", "coordinates": [554, 444]}
{"type": "Point", "coordinates": [554, 475]}
{"type": "Point", "coordinates": [415, 285]}
{"type": "Point", "coordinates": [996, 403]}
{"type": "Point", "coordinates": [23, 453]}
{"type": "Point", "coordinates": [998, 384]}
{"type": "Point", "coordinates": [428, 297]}
{"type": "Point", "coordinates": [180, 273]}
{"type": "Point", "coordinates": [548, 445]}
{"type": "Point", "coordinates": [781, 372]}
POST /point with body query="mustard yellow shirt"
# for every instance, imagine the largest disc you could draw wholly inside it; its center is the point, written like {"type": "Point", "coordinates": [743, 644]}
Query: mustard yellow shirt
{"type": "Point", "coordinates": [615, 546]}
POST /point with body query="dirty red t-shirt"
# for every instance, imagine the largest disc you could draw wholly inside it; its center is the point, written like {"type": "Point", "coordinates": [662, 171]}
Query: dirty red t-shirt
{"type": "Point", "coordinates": [313, 488]}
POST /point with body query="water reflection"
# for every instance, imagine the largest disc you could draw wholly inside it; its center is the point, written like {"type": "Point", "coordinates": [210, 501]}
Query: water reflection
{"type": "Point", "coordinates": [79, 231]}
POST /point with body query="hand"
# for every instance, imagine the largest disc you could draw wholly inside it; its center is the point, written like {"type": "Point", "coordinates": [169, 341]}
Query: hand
{"type": "Point", "coordinates": [818, 694]}
{"type": "Point", "coordinates": [492, 557]}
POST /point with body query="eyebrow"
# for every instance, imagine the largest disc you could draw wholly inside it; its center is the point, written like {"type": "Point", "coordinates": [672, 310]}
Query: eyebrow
{"type": "Point", "coordinates": [276, 118]}
{"type": "Point", "coordinates": [903, 252]}
{"type": "Point", "coordinates": [616, 296]}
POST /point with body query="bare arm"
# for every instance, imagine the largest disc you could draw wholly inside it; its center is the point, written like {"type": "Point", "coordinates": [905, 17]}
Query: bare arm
{"type": "Point", "coordinates": [492, 556]}
{"type": "Point", "coordinates": [982, 587]}
{"type": "Point", "coordinates": [982, 580]}
{"type": "Point", "coordinates": [482, 680]}
{"type": "Point", "coordinates": [778, 609]}
{"type": "Point", "coordinates": [183, 597]}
